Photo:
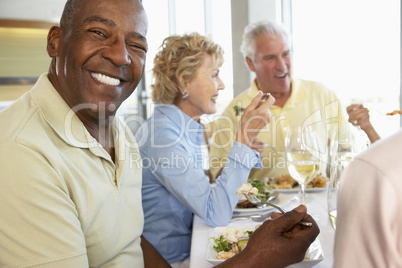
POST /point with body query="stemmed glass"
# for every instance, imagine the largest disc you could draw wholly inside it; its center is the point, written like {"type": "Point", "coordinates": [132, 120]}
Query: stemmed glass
{"type": "Point", "coordinates": [343, 154]}
{"type": "Point", "coordinates": [302, 156]}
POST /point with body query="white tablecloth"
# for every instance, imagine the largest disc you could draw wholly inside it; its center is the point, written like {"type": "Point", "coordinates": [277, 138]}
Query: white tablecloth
{"type": "Point", "coordinates": [316, 206]}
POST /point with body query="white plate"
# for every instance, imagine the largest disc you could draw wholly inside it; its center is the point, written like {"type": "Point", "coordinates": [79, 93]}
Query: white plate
{"type": "Point", "coordinates": [217, 232]}
{"type": "Point", "coordinates": [314, 254]}
{"type": "Point", "coordinates": [297, 189]}
{"type": "Point", "coordinates": [280, 200]}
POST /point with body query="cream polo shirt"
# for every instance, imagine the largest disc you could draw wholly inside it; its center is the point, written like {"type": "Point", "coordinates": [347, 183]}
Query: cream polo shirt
{"type": "Point", "coordinates": [64, 203]}
{"type": "Point", "coordinates": [310, 103]}
{"type": "Point", "coordinates": [368, 226]}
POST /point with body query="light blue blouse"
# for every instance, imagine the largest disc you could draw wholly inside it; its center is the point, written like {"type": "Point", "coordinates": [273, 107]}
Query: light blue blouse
{"type": "Point", "coordinates": [174, 183]}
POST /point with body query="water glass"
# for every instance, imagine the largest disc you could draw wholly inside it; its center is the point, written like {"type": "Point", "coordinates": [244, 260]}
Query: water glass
{"type": "Point", "coordinates": [343, 155]}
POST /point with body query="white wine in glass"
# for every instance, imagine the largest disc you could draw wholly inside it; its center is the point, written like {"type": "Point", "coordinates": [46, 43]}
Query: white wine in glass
{"type": "Point", "coordinates": [302, 167]}
{"type": "Point", "coordinates": [345, 153]}
{"type": "Point", "coordinates": [301, 156]}
{"type": "Point", "coordinates": [332, 218]}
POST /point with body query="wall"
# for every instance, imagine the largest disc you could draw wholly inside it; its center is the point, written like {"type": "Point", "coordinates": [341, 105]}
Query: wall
{"type": "Point", "coordinates": [22, 54]}
{"type": "Point", "coordinates": [243, 13]}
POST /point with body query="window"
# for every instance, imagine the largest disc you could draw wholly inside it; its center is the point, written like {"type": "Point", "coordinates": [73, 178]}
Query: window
{"type": "Point", "coordinates": [207, 17]}
{"type": "Point", "coordinates": [352, 46]}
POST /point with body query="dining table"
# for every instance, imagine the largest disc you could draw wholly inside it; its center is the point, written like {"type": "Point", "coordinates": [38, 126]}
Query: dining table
{"type": "Point", "coordinates": [316, 202]}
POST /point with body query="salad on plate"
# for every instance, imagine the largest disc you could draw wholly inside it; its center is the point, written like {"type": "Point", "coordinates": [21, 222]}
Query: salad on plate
{"type": "Point", "coordinates": [254, 187]}
{"type": "Point", "coordinates": [225, 242]}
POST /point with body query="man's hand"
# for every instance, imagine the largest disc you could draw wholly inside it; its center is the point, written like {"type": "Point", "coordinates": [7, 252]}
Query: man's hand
{"type": "Point", "coordinates": [278, 242]}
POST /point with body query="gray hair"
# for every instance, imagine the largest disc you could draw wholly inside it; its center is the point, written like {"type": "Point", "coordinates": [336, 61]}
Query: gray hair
{"type": "Point", "coordinates": [252, 31]}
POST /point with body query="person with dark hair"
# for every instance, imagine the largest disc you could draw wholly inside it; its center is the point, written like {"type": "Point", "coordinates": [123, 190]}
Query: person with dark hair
{"type": "Point", "coordinates": [68, 195]}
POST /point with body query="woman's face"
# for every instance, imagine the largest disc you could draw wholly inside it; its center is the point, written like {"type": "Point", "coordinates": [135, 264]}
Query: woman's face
{"type": "Point", "coordinates": [203, 90]}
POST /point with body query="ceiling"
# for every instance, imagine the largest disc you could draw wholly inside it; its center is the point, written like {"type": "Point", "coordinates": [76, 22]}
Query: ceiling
{"type": "Point", "coordinates": [37, 10]}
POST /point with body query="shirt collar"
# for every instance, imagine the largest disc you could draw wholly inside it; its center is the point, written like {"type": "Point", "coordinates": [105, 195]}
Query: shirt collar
{"type": "Point", "coordinates": [298, 94]}
{"type": "Point", "coordinates": [252, 92]}
{"type": "Point", "coordinates": [62, 119]}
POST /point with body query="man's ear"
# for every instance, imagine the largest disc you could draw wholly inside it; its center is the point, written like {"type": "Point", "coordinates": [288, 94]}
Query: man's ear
{"type": "Point", "coordinates": [53, 39]}
{"type": "Point", "coordinates": [250, 64]}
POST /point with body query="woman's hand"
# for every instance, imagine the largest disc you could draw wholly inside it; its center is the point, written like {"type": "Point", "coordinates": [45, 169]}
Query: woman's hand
{"type": "Point", "coordinates": [254, 118]}
{"type": "Point", "coordinates": [257, 145]}
{"type": "Point", "coordinates": [359, 116]}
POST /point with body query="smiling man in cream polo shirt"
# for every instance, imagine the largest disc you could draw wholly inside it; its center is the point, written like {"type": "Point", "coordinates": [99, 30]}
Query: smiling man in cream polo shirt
{"type": "Point", "coordinates": [69, 194]}
{"type": "Point", "coordinates": [266, 48]}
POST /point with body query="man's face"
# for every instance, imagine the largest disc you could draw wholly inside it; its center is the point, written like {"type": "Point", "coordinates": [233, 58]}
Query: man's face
{"type": "Point", "coordinates": [100, 58]}
{"type": "Point", "coordinates": [272, 64]}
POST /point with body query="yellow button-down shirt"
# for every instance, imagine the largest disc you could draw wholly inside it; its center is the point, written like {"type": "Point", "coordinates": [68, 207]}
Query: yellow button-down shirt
{"type": "Point", "coordinates": [310, 103]}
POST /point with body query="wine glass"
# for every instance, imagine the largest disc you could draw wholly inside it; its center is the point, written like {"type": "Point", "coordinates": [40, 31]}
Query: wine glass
{"type": "Point", "coordinates": [344, 152]}
{"type": "Point", "coordinates": [302, 156]}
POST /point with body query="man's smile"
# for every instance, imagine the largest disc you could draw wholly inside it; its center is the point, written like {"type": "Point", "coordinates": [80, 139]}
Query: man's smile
{"type": "Point", "coordinates": [107, 80]}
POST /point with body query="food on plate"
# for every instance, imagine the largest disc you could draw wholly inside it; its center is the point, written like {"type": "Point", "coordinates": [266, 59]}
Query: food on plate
{"type": "Point", "coordinates": [287, 182]}
{"type": "Point", "coordinates": [283, 182]}
{"type": "Point", "coordinates": [225, 242]}
{"type": "Point", "coordinates": [260, 185]}
{"type": "Point", "coordinates": [247, 188]}
{"type": "Point", "coordinates": [394, 112]}
{"type": "Point", "coordinates": [318, 181]}
{"type": "Point", "coordinates": [242, 243]}
{"type": "Point", "coordinates": [254, 187]}
{"type": "Point", "coordinates": [231, 242]}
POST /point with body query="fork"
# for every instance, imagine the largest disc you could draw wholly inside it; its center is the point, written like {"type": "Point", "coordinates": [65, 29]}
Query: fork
{"type": "Point", "coordinates": [255, 201]}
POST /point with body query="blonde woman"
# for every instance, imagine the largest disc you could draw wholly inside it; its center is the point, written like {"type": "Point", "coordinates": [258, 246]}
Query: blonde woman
{"type": "Point", "coordinates": [186, 86]}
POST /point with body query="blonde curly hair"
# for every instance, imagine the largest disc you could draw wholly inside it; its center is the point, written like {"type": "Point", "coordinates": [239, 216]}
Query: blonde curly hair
{"type": "Point", "coordinates": [178, 59]}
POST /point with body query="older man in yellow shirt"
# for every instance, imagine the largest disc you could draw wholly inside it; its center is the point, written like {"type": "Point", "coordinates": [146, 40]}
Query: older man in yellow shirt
{"type": "Point", "coordinates": [266, 47]}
